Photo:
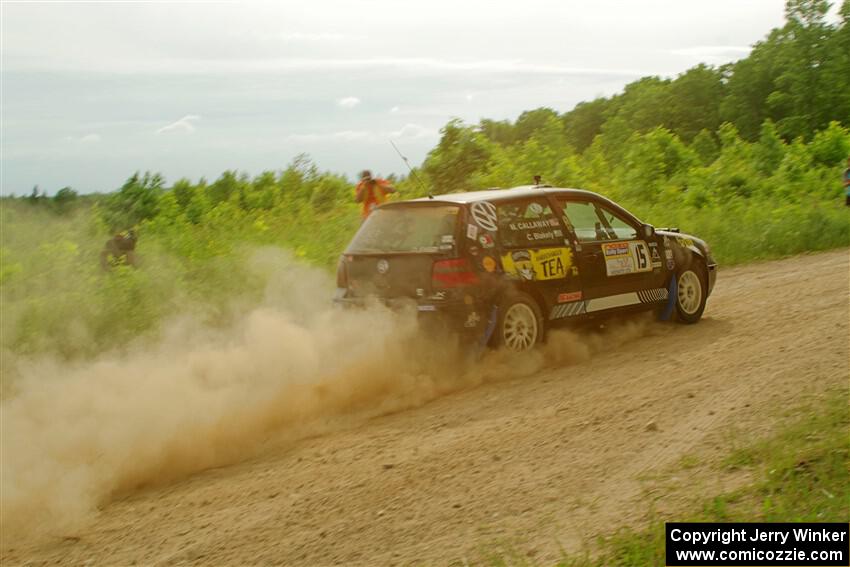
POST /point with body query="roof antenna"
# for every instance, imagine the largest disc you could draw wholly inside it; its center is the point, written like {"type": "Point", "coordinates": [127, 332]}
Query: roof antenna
{"type": "Point", "coordinates": [413, 173]}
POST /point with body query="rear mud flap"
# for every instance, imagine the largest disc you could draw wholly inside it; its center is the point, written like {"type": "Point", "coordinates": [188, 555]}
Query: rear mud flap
{"type": "Point", "coordinates": [488, 330]}
{"type": "Point", "coordinates": [672, 295]}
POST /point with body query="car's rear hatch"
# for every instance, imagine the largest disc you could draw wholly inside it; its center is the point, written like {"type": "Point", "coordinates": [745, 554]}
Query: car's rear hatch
{"type": "Point", "coordinates": [393, 255]}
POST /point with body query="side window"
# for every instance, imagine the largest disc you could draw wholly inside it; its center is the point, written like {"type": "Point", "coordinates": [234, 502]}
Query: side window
{"type": "Point", "coordinates": [621, 229]}
{"type": "Point", "coordinates": [586, 224]}
{"type": "Point", "coordinates": [529, 223]}
{"type": "Point", "coordinates": [592, 222]}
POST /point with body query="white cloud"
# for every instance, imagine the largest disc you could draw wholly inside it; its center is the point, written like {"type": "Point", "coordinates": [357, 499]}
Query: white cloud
{"type": "Point", "coordinates": [185, 124]}
{"type": "Point", "coordinates": [87, 139]}
{"type": "Point", "coordinates": [394, 110]}
{"type": "Point", "coordinates": [408, 65]}
{"type": "Point", "coordinates": [713, 53]}
{"type": "Point", "coordinates": [408, 131]}
{"type": "Point", "coordinates": [340, 136]}
{"type": "Point", "coordinates": [348, 102]}
{"type": "Point", "coordinates": [413, 131]}
{"type": "Point", "coordinates": [294, 37]}
{"type": "Point", "coordinates": [312, 37]}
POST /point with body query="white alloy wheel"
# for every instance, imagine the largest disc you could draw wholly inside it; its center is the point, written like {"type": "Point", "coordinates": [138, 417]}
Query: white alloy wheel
{"type": "Point", "coordinates": [690, 292]}
{"type": "Point", "coordinates": [520, 327]}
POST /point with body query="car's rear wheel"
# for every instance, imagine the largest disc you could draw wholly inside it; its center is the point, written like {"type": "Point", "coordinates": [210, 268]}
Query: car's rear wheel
{"type": "Point", "coordinates": [691, 293]}
{"type": "Point", "coordinates": [520, 323]}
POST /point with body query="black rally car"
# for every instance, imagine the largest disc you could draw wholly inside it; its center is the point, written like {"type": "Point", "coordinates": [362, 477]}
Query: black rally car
{"type": "Point", "coordinates": [506, 264]}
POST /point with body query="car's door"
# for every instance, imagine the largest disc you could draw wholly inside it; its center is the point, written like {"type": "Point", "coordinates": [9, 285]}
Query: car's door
{"type": "Point", "coordinates": [535, 249]}
{"type": "Point", "coordinates": [620, 265]}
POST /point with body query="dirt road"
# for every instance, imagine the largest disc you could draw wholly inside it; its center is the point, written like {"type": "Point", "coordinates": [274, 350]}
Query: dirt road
{"type": "Point", "coordinates": [532, 465]}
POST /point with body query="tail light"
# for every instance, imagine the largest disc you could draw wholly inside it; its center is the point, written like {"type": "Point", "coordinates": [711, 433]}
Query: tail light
{"type": "Point", "coordinates": [341, 273]}
{"type": "Point", "coordinates": [453, 273]}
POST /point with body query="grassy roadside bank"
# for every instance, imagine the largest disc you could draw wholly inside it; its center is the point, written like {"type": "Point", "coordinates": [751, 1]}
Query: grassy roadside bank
{"type": "Point", "coordinates": [800, 474]}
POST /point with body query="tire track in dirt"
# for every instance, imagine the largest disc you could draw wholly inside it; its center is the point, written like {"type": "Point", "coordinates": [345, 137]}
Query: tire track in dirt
{"type": "Point", "coordinates": [534, 464]}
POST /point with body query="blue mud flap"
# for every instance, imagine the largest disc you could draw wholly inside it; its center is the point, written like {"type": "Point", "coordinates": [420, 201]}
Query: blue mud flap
{"type": "Point", "coordinates": [672, 294]}
{"type": "Point", "coordinates": [488, 331]}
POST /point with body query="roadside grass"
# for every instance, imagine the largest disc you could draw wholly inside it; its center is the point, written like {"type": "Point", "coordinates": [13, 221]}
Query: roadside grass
{"type": "Point", "coordinates": [802, 475]}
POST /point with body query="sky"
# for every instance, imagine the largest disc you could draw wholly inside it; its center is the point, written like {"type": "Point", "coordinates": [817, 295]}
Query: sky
{"type": "Point", "coordinates": [94, 91]}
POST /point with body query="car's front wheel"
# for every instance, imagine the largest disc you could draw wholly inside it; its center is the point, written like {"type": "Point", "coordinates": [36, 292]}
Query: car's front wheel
{"type": "Point", "coordinates": [691, 293]}
{"type": "Point", "coordinates": [520, 322]}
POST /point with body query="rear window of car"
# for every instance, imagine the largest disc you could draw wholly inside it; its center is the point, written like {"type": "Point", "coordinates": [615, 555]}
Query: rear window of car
{"type": "Point", "coordinates": [424, 229]}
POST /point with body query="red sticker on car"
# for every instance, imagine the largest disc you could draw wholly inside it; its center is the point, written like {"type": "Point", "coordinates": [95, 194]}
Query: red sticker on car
{"type": "Point", "coordinates": [567, 297]}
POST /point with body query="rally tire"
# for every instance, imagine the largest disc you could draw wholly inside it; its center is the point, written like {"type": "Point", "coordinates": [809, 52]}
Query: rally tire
{"type": "Point", "coordinates": [520, 326]}
{"type": "Point", "coordinates": [691, 293]}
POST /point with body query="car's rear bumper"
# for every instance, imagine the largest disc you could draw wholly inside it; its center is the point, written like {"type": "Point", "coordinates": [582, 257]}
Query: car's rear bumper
{"type": "Point", "coordinates": [463, 316]}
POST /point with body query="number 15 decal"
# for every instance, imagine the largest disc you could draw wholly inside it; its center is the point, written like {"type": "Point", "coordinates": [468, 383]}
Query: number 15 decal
{"type": "Point", "coordinates": [623, 258]}
{"type": "Point", "coordinates": [641, 256]}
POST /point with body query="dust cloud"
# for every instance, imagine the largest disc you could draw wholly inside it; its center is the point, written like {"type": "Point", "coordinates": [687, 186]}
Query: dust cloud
{"type": "Point", "coordinates": [75, 435]}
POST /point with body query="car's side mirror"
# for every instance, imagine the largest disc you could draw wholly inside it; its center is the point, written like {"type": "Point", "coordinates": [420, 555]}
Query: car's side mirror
{"type": "Point", "coordinates": [648, 230]}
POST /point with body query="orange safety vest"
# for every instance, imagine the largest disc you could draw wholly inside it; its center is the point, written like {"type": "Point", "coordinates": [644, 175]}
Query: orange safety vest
{"type": "Point", "coordinates": [375, 193]}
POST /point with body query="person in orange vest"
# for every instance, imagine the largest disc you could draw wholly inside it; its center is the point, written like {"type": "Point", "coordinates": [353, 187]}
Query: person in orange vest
{"type": "Point", "coordinates": [371, 191]}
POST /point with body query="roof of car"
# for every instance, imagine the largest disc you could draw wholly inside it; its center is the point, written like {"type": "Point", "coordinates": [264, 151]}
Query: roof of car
{"type": "Point", "coordinates": [496, 194]}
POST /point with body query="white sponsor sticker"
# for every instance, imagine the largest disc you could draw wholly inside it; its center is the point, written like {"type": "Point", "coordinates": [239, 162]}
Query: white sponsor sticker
{"type": "Point", "coordinates": [484, 214]}
{"type": "Point", "coordinates": [626, 258]}
{"type": "Point", "coordinates": [471, 231]}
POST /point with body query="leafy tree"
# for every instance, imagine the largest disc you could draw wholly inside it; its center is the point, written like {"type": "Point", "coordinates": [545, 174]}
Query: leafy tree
{"type": "Point", "coordinates": [136, 201]}
{"type": "Point", "coordinates": [183, 192]}
{"type": "Point", "coordinates": [584, 122]}
{"type": "Point", "coordinates": [695, 102]}
{"type": "Point", "coordinates": [459, 154]}
{"type": "Point", "coordinates": [800, 89]}
{"type": "Point", "coordinates": [834, 101]}
{"type": "Point", "coordinates": [34, 196]}
{"type": "Point", "coordinates": [531, 121]}
{"type": "Point", "coordinates": [328, 192]}
{"type": "Point", "coordinates": [644, 104]}
{"type": "Point", "coordinates": [297, 178]}
{"type": "Point", "coordinates": [769, 151]}
{"type": "Point", "coordinates": [224, 187]}
{"type": "Point", "coordinates": [64, 199]}
{"type": "Point", "coordinates": [706, 147]}
{"type": "Point", "coordinates": [497, 131]}
{"type": "Point", "coordinates": [831, 147]}
{"type": "Point", "coordinates": [652, 160]}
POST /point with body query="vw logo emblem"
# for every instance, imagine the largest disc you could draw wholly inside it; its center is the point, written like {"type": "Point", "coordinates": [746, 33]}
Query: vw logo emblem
{"type": "Point", "coordinates": [383, 266]}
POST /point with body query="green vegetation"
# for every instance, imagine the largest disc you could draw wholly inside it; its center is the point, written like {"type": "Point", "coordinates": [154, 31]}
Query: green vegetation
{"type": "Point", "coordinates": [801, 476]}
{"type": "Point", "coordinates": [748, 156]}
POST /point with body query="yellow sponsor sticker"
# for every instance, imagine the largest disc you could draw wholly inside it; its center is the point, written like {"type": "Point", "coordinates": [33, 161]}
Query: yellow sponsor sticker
{"type": "Point", "coordinates": [542, 264]}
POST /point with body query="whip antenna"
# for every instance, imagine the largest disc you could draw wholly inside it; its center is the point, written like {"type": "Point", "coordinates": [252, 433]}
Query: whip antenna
{"type": "Point", "coordinates": [412, 173]}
